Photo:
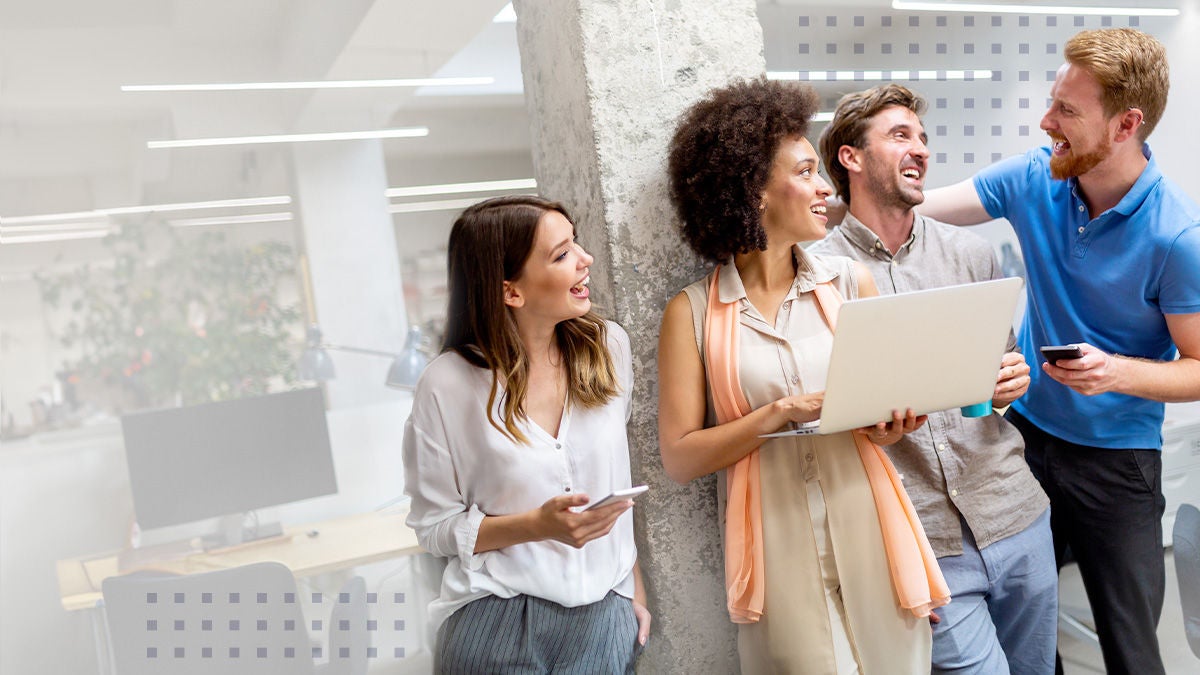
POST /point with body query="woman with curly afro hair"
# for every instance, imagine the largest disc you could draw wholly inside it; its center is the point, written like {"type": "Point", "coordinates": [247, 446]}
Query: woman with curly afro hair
{"type": "Point", "coordinates": [742, 353]}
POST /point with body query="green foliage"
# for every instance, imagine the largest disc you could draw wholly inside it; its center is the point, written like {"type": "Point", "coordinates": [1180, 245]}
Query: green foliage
{"type": "Point", "coordinates": [185, 318]}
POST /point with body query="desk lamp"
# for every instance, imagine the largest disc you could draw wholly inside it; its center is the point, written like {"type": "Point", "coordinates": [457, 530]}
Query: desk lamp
{"type": "Point", "coordinates": [316, 364]}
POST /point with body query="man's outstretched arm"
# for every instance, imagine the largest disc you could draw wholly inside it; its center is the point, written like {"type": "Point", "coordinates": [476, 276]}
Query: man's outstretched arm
{"type": "Point", "coordinates": [957, 204]}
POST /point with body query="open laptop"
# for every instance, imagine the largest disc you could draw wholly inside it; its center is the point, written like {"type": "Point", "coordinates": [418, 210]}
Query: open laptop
{"type": "Point", "coordinates": [928, 350]}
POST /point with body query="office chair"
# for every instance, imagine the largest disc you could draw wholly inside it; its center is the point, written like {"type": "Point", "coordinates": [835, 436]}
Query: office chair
{"type": "Point", "coordinates": [1186, 542]}
{"type": "Point", "coordinates": [244, 620]}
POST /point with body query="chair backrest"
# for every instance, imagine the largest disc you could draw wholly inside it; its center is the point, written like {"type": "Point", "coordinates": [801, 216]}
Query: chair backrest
{"type": "Point", "coordinates": [241, 620]}
{"type": "Point", "coordinates": [349, 639]}
{"type": "Point", "coordinates": [1186, 544]}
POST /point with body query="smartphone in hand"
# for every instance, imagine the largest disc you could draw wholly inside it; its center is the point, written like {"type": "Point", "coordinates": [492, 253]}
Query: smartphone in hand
{"type": "Point", "coordinates": [617, 496]}
{"type": "Point", "coordinates": [1054, 353]}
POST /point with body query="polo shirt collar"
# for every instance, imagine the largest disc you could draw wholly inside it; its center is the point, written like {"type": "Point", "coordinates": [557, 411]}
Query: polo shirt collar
{"type": "Point", "coordinates": [810, 271]}
{"type": "Point", "coordinates": [1145, 184]}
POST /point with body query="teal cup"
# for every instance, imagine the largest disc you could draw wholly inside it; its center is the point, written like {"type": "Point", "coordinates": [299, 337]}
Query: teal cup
{"type": "Point", "coordinates": [977, 410]}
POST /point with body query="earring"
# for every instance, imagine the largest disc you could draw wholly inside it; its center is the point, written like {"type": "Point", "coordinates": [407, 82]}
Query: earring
{"type": "Point", "coordinates": [762, 206]}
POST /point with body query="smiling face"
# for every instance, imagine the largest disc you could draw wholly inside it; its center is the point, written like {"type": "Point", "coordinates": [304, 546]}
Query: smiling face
{"type": "Point", "coordinates": [552, 284]}
{"type": "Point", "coordinates": [795, 195]}
{"type": "Point", "coordinates": [1076, 123]}
{"type": "Point", "coordinates": [894, 158]}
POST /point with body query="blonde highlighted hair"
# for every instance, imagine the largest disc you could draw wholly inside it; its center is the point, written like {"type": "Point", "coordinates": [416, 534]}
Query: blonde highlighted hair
{"type": "Point", "coordinates": [489, 245]}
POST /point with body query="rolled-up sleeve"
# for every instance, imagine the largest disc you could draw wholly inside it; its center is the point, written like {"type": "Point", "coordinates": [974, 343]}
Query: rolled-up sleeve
{"type": "Point", "coordinates": [446, 525]}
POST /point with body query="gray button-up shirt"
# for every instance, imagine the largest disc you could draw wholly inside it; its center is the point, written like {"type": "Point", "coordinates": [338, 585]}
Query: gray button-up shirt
{"type": "Point", "coordinates": [973, 467]}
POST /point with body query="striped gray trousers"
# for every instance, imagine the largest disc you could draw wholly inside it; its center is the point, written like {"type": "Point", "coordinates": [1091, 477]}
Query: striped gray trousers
{"type": "Point", "coordinates": [524, 634]}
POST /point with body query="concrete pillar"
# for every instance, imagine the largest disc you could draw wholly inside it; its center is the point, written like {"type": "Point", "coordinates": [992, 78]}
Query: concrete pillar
{"type": "Point", "coordinates": [604, 84]}
{"type": "Point", "coordinates": [351, 248]}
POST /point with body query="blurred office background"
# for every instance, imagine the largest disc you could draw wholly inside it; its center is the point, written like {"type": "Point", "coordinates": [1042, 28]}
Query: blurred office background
{"type": "Point", "coordinates": [138, 275]}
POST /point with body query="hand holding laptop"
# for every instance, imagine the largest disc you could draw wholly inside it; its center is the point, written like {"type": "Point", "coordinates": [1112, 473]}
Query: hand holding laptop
{"type": "Point", "coordinates": [882, 433]}
{"type": "Point", "coordinates": [886, 433]}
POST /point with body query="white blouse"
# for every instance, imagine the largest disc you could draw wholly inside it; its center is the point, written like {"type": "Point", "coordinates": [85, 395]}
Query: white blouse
{"type": "Point", "coordinates": [459, 468]}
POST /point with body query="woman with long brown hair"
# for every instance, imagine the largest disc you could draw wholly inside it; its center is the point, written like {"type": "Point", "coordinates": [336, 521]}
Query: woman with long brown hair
{"type": "Point", "coordinates": [518, 424]}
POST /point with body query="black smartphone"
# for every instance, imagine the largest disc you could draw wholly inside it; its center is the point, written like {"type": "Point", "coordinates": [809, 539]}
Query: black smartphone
{"type": "Point", "coordinates": [1054, 353]}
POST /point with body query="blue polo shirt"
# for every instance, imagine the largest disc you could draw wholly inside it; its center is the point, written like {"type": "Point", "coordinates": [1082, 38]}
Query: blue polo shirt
{"type": "Point", "coordinates": [1106, 281]}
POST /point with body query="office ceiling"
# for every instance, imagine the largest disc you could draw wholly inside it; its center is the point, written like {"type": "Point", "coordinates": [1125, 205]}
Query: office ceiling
{"type": "Point", "coordinates": [71, 140]}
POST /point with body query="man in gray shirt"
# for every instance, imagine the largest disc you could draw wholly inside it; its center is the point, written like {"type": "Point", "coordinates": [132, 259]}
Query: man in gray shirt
{"type": "Point", "coordinates": [984, 512]}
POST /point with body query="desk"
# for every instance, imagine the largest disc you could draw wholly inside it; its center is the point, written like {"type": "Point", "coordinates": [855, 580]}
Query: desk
{"type": "Point", "coordinates": [340, 543]}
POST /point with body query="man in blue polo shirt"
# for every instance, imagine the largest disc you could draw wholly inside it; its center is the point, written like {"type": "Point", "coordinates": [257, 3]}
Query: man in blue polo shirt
{"type": "Point", "coordinates": [1112, 249]}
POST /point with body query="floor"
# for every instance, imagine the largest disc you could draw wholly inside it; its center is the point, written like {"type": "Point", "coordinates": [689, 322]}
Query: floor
{"type": "Point", "coordinates": [1083, 658]}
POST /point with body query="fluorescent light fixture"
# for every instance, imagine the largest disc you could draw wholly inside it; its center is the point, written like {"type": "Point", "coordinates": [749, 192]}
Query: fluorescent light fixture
{"type": "Point", "coordinates": [876, 75]}
{"type": "Point", "coordinates": [319, 84]}
{"type": "Point", "coordinates": [406, 132]}
{"type": "Point", "coordinates": [456, 188]}
{"type": "Point", "coordinates": [47, 217]}
{"type": "Point", "coordinates": [443, 205]}
{"type": "Point", "coordinates": [1027, 8]}
{"type": "Point", "coordinates": [234, 220]}
{"type": "Point", "coordinates": [148, 208]}
{"type": "Point", "coordinates": [59, 227]}
{"type": "Point", "coordinates": [59, 236]}
{"type": "Point", "coordinates": [506, 15]}
{"type": "Point", "coordinates": [823, 117]}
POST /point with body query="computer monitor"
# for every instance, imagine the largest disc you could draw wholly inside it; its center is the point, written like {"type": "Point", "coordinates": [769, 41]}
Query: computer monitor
{"type": "Point", "coordinates": [216, 459]}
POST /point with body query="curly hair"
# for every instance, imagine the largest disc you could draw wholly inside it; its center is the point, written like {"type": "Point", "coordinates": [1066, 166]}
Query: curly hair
{"type": "Point", "coordinates": [851, 121]}
{"type": "Point", "coordinates": [721, 156]}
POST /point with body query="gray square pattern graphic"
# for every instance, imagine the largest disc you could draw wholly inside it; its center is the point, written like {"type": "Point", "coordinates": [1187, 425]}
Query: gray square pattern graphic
{"type": "Point", "coordinates": [166, 614]}
{"type": "Point", "coordinates": [957, 62]}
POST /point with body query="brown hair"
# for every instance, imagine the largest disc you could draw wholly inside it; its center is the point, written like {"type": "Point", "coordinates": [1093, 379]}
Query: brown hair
{"type": "Point", "coordinates": [1131, 68]}
{"type": "Point", "coordinates": [851, 121]}
{"type": "Point", "coordinates": [489, 245]}
{"type": "Point", "coordinates": [721, 157]}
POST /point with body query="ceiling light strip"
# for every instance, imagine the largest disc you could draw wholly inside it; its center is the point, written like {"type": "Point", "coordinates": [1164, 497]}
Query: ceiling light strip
{"type": "Point", "coordinates": [442, 205]}
{"type": "Point", "coordinates": [877, 75]}
{"type": "Point", "coordinates": [57, 227]}
{"type": "Point", "coordinates": [318, 84]}
{"type": "Point", "coordinates": [148, 208]}
{"type": "Point", "coordinates": [408, 132]}
{"type": "Point", "coordinates": [457, 188]}
{"type": "Point", "coordinates": [233, 220]}
{"type": "Point", "coordinates": [60, 236]}
{"type": "Point", "coordinates": [1026, 8]}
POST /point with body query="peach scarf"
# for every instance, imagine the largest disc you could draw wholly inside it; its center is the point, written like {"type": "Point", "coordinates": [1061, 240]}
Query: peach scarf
{"type": "Point", "coordinates": [916, 576]}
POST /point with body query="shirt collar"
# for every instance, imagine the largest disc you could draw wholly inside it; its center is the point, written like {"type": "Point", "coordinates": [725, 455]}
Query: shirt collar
{"type": "Point", "coordinates": [1141, 189]}
{"type": "Point", "coordinates": [810, 271]}
{"type": "Point", "coordinates": [862, 237]}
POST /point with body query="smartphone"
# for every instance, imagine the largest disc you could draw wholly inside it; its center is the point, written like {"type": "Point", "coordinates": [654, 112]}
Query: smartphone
{"type": "Point", "coordinates": [1054, 353]}
{"type": "Point", "coordinates": [618, 496]}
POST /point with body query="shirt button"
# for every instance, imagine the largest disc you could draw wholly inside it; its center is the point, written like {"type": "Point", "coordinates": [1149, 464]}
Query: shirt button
{"type": "Point", "coordinates": [894, 263]}
{"type": "Point", "coordinates": [954, 493]}
{"type": "Point", "coordinates": [558, 446]}
{"type": "Point", "coordinates": [1081, 230]}
{"type": "Point", "coordinates": [1081, 208]}
{"type": "Point", "coordinates": [795, 379]}
{"type": "Point", "coordinates": [878, 244]}
{"type": "Point", "coordinates": [808, 457]}
{"type": "Point", "coordinates": [787, 305]}
{"type": "Point", "coordinates": [566, 488]}
{"type": "Point", "coordinates": [941, 446]}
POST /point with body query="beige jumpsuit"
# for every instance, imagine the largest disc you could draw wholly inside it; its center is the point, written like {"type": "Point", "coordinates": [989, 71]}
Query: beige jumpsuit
{"type": "Point", "coordinates": [830, 606]}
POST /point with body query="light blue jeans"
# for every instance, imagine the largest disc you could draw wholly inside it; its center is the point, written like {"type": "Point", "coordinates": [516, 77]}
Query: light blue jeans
{"type": "Point", "coordinates": [1003, 612]}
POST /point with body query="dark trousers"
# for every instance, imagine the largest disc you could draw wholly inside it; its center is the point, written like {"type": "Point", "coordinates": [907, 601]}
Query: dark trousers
{"type": "Point", "coordinates": [1106, 508]}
